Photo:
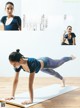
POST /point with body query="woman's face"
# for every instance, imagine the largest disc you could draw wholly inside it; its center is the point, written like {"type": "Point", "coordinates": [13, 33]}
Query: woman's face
{"type": "Point", "coordinates": [9, 9]}
{"type": "Point", "coordinates": [69, 29]}
{"type": "Point", "coordinates": [15, 64]}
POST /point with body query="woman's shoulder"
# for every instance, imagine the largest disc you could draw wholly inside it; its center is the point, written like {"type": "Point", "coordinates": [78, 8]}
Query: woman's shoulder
{"type": "Point", "coordinates": [17, 17]}
{"type": "Point", "coordinates": [31, 59]}
{"type": "Point", "coordinates": [73, 34]}
{"type": "Point", "coordinates": [3, 17]}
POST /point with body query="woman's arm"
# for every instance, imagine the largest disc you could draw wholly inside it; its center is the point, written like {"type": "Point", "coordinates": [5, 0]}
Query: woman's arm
{"type": "Point", "coordinates": [1, 26]}
{"type": "Point", "coordinates": [74, 41]}
{"type": "Point", "coordinates": [31, 80]}
{"type": "Point", "coordinates": [63, 38]}
{"type": "Point", "coordinates": [15, 82]}
{"type": "Point", "coordinates": [19, 28]}
{"type": "Point", "coordinates": [19, 23]}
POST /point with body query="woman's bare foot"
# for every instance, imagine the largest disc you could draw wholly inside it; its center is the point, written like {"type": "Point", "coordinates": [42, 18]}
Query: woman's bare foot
{"type": "Point", "coordinates": [63, 81]}
{"type": "Point", "coordinates": [27, 102]}
{"type": "Point", "coordinates": [73, 57]}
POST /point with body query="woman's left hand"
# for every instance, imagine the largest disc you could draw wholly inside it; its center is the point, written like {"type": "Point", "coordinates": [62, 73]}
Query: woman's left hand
{"type": "Point", "coordinates": [27, 102]}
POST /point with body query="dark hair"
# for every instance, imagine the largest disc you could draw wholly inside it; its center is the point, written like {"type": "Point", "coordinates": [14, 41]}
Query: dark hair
{"type": "Point", "coordinates": [69, 26]}
{"type": "Point", "coordinates": [9, 3]}
{"type": "Point", "coordinates": [16, 56]}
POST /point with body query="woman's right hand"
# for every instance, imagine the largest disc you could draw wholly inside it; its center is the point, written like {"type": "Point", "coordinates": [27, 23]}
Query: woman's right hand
{"type": "Point", "coordinates": [10, 98]}
{"type": "Point", "coordinates": [65, 31]}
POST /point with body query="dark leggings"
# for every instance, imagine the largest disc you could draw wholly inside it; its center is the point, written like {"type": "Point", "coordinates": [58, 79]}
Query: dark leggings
{"type": "Point", "coordinates": [52, 64]}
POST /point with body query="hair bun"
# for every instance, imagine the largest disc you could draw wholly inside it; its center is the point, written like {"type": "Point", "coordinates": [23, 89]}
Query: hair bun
{"type": "Point", "coordinates": [18, 50]}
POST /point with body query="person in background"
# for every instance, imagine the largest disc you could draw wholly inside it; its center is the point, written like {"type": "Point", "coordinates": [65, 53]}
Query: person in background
{"type": "Point", "coordinates": [10, 21]}
{"type": "Point", "coordinates": [69, 37]}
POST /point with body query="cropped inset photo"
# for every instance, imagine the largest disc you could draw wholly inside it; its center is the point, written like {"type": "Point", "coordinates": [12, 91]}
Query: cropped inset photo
{"type": "Point", "coordinates": [69, 37]}
{"type": "Point", "coordinates": [10, 15]}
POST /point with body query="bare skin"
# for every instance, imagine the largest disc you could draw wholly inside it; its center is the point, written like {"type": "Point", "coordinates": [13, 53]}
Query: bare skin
{"type": "Point", "coordinates": [63, 82]}
{"type": "Point", "coordinates": [1, 26]}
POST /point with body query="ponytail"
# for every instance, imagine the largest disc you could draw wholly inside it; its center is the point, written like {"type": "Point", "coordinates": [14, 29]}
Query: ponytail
{"type": "Point", "coordinates": [18, 50]}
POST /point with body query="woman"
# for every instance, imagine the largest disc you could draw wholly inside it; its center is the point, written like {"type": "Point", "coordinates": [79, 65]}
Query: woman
{"type": "Point", "coordinates": [10, 21]}
{"type": "Point", "coordinates": [69, 38]}
{"type": "Point", "coordinates": [32, 65]}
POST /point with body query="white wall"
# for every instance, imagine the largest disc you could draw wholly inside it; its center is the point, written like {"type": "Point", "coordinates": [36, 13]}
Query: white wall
{"type": "Point", "coordinates": [36, 44]}
{"type": "Point", "coordinates": [43, 43]}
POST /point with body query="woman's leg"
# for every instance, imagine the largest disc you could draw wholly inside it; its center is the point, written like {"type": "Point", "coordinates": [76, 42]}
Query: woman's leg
{"type": "Point", "coordinates": [56, 63]}
{"type": "Point", "coordinates": [54, 73]}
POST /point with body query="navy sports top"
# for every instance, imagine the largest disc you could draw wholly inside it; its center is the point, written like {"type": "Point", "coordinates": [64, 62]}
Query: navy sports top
{"type": "Point", "coordinates": [70, 40]}
{"type": "Point", "coordinates": [14, 25]}
{"type": "Point", "coordinates": [33, 64]}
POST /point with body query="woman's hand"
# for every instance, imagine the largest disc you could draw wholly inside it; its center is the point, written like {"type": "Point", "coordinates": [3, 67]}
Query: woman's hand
{"type": "Point", "coordinates": [27, 102]}
{"type": "Point", "coordinates": [10, 98]}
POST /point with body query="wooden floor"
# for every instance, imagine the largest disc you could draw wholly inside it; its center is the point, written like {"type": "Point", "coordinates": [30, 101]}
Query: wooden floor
{"type": "Point", "coordinates": [67, 100]}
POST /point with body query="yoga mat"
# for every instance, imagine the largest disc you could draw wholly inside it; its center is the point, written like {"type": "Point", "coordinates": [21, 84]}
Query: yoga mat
{"type": "Point", "coordinates": [41, 94]}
